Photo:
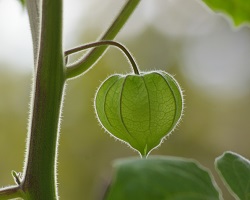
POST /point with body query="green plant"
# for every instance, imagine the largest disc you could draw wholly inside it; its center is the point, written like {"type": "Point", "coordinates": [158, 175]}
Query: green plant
{"type": "Point", "coordinates": [151, 178]}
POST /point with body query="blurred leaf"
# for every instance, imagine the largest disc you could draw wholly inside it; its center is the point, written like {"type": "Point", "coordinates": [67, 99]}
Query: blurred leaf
{"type": "Point", "coordinates": [238, 10]}
{"type": "Point", "coordinates": [161, 178]}
{"type": "Point", "coordinates": [22, 2]}
{"type": "Point", "coordinates": [235, 172]}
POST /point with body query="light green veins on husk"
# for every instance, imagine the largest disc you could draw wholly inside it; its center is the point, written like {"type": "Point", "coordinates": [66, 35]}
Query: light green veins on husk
{"type": "Point", "coordinates": [139, 109]}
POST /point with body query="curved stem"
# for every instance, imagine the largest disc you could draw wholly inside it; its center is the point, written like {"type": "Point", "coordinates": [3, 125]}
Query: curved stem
{"type": "Point", "coordinates": [87, 61]}
{"type": "Point", "coordinates": [102, 43]}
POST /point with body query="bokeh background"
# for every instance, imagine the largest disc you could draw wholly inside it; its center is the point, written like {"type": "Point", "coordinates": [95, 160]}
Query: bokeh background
{"type": "Point", "coordinates": [208, 56]}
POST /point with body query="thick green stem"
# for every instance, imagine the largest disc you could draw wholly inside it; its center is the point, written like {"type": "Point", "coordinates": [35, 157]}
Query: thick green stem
{"type": "Point", "coordinates": [84, 64]}
{"type": "Point", "coordinates": [40, 172]}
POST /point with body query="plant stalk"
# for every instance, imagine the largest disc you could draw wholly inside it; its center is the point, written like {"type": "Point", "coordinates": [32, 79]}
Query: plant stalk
{"type": "Point", "coordinates": [105, 43]}
{"type": "Point", "coordinates": [39, 176]}
{"type": "Point", "coordinates": [11, 192]}
{"type": "Point", "coordinates": [40, 171]}
{"type": "Point", "coordinates": [84, 64]}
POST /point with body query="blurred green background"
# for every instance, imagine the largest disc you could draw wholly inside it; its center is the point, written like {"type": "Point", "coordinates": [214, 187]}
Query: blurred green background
{"type": "Point", "coordinates": [208, 57]}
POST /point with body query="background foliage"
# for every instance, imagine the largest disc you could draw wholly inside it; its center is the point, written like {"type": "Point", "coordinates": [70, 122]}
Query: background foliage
{"type": "Point", "coordinates": [208, 57]}
{"type": "Point", "coordinates": [237, 10]}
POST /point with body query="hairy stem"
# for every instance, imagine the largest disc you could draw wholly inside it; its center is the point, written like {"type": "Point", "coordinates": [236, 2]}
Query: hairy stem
{"type": "Point", "coordinates": [103, 43]}
{"type": "Point", "coordinates": [85, 63]}
{"type": "Point", "coordinates": [40, 170]}
{"type": "Point", "coordinates": [39, 180]}
{"type": "Point", "coordinates": [11, 192]}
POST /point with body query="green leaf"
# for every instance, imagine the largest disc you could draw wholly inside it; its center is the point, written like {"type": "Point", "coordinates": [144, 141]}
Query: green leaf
{"type": "Point", "coordinates": [235, 172]}
{"type": "Point", "coordinates": [140, 109]}
{"type": "Point", "coordinates": [238, 10]}
{"type": "Point", "coordinates": [161, 178]}
{"type": "Point", "coordinates": [17, 177]}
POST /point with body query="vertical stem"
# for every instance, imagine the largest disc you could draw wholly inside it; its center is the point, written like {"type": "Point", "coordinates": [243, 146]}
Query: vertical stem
{"type": "Point", "coordinates": [40, 172]}
{"type": "Point", "coordinates": [34, 13]}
